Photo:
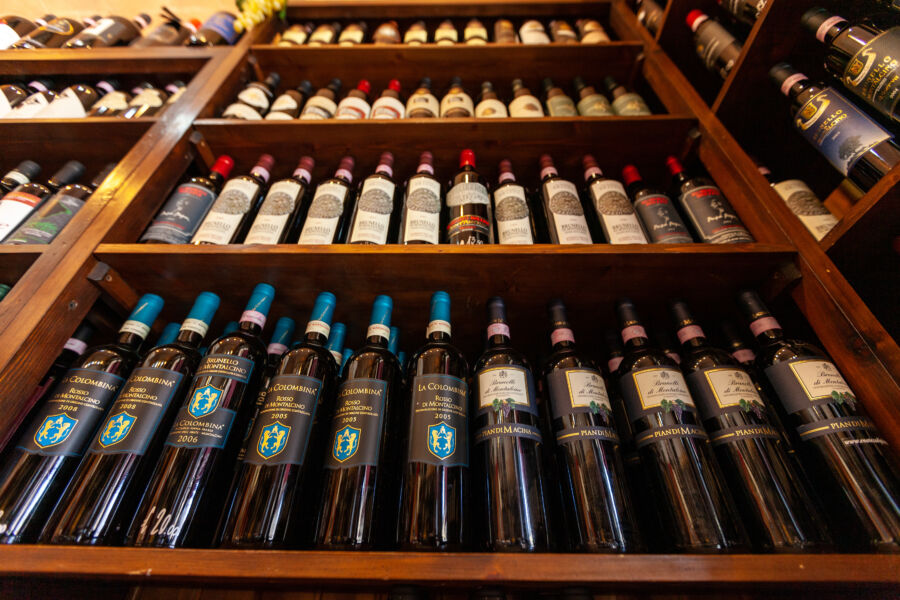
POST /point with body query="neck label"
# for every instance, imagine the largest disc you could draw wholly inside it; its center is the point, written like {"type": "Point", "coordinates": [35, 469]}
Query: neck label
{"type": "Point", "coordinates": [377, 329]}
{"type": "Point", "coordinates": [195, 325]}
{"type": "Point", "coordinates": [438, 325]}
{"type": "Point", "coordinates": [764, 324]}
{"type": "Point", "coordinates": [498, 329]}
{"type": "Point", "coordinates": [320, 327]}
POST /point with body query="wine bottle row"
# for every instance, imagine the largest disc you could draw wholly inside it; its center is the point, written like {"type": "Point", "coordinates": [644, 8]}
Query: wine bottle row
{"type": "Point", "coordinates": [243, 445]}
{"type": "Point", "coordinates": [51, 31]}
{"type": "Point", "coordinates": [245, 209]}
{"type": "Point", "coordinates": [257, 101]}
{"type": "Point", "coordinates": [532, 31]}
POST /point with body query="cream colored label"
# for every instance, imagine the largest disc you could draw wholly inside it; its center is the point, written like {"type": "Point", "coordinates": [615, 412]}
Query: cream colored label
{"type": "Point", "coordinates": [415, 36]}
{"type": "Point", "coordinates": [293, 36]}
{"type": "Point", "coordinates": [114, 100]}
{"type": "Point", "coordinates": [66, 106]}
{"type": "Point", "coordinates": [505, 384]}
{"type": "Point", "coordinates": [595, 105]}
{"type": "Point", "coordinates": [423, 102]}
{"type": "Point", "coordinates": [318, 107]}
{"type": "Point", "coordinates": [616, 213]}
{"type": "Point", "coordinates": [242, 111]}
{"type": "Point", "coordinates": [819, 378]}
{"type": "Point", "coordinates": [511, 213]}
{"type": "Point", "coordinates": [525, 107]}
{"type": "Point", "coordinates": [29, 108]}
{"type": "Point", "coordinates": [568, 214]}
{"type": "Point", "coordinates": [657, 384]}
{"type": "Point", "coordinates": [730, 386]}
{"type": "Point", "coordinates": [491, 109]}
{"type": "Point", "coordinates": [351, 36]}
{"type": "Point", "coordinates": [223, 219]}
{"type": "Point", "coordinates": [217, 228]}
{"type": "Point", "coordinates": [255, 97]}
{"type": "Point", "coordinates": [352, 107]}
{"type": "Point", "coordinates": [152, 97]}
{"type": "Point", "coordinates": [373, 211]}
{"type": "Point", "coordinates": [585, 388]}
{"type": "Point", "coordinates": [561, 106]}
{"type": "Point", "coordinates": [324, 213]}
{"type": "Point", "coordinates": [284, 102]}
{"type": "Point", "coordinates": [809, 209]}
{"type": "Point", "coordinates": [457, 101]}
{"type": "Point", "coordinates": [387, 107]}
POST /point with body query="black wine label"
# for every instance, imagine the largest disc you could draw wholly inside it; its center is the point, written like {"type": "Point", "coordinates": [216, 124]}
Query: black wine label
{"type": "Point", "coordinates": [207, 431]}
{"type": "Point", "coordinates": [180, 217]}
{"type": "Point", "coordinates": [137, 411]}
{"type": "Point", "coordinates": [852, 425]}
{"type": "Point", "coordinates": [655, 390]}
{"type": "Point", "coordinates": [71, 415]}
{"type": "Point", "coordinates": [439, 426]}
{"type": "Point", "coordinates": [669, 432]}
{"type": "Point", "coordinates": [504, 388]}
{"type": "Point", "coordinates": [736, 434]}
{"type": "Point", "coordinates": [874, 72]}
{"type": "Point", "coordinates": [356, 428]}
{"type": "Point", "coordinates": [721, 390]}
{"type": "Point", "coordinates": [518, 430]}
{"type": "Point", "coordinates": [226, 365]}
{"type": "Point", "coordinates": [257, 406]}
{"type": "Point", "coordinates": [806, 382]}
{"type": "Point", "coordinates": [281, 431]}
{"type": "Point", "coordinates": [42, 228]}
{"type": "Point", "coordinates": [713, 217]}
{"type": "Point", "coordinates": [661, 220]}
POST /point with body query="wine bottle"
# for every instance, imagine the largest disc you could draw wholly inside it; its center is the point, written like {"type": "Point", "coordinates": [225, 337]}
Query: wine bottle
{"type": "Point", "coordinates": [416, 35]}
{"type": "Point", "coordinates": [281, 213]}
{"type": "Point", "coordinates": [72, 350]}
{"type": "Point", "coordinates": [104, 492]}
{"type": "Point", "coordinates": [650, 14]}
{"type": "Point", "coordinates": [532, 32]}
{"type": "Point", "coordinates": [524, 104]}
{"type": "Point", "coordinates": [184, 211]}
{"type": "Point", "coordinates": [489, 106]}
{"type": "Point", "coordinates": [231, 213]}
{"type": "Point", "coordinates": [217, 30]}
{"type": "Point", "coordinates": [11, 95]}
{"type": "Point", "coordinates": [322, 105]}
{"type": "Point", "coordinates": [176, 90]}
{"type": "Point", "coordinates": [660, 218]}
{"type": "Point", "coordinates": [336, 344]}
{"type": "Point", "coordinates": [328, 210]}
{"type": "Point", "coordinates": [778, 511]}
{"type": "Point", "coordinates": [557, 102]}
{"type": "Point", "coordinates": [625, 103]}
{"type": "Point", "coordinates": [185, 494]}
{"type": "Point", "coordinates": [505, 32]}
{"type": "Point", "coordinates": [324, 34]}
{"type": "Point", "coordinates": [475, 33]}
{"type": "Point", "coordinates": [591, 31]}
{"type": "Point", "coordinates": [387, 32]}
{"type": "Point", "coordinates": [698, 514]}
{"type": "Point", "coordinates": [854, 144]}
{"type": "Point", "coordinates": [45, 223]}
{"type": "Point", "coordinates": [52, 444]}
{"type": "Point", "coordinates": [19, 203]}
{"type": "Point", "coordinates": [745, 11]}
{"type": "Point", "coordinates": [737, 347]}
{"type": "Point", "coordinates": [75, 101]}
{"type": "Point", "coordinates": [4, 290]}
{"type": "Point", "coordinates": [848, 461]}
{"type": "Point", "coordinates": [295, 35]}
{"type": "Point", "coordinates": [562, 207]}
{"type": "Point", "coordinates": [708, 210]}
{"type": "Point", "coordinates": [353, 34]}
{"type": "Point", "coordinates": [173, 32]}
{"type": "Point", "coordinates": [277, 476]}
{"type": "Point", "coordinates": [508, 446]}
{"type": "Point", "coordinates": [562, 33]}
{"type": "Point", "coordinates": [287, 105]}
{"type": "Point", "coordinates": [147, 101]}
{"type": "Point", "coordinates": [422, 104]}
{"type": "Point", "coordinates": [468, 205]}
{"type": "Point", "coordinates": [513, 217]}
{"type": "Point", "coordinates": [456, 103]}
{"type": "Point", "coordinates": [388, 105]}
{"type": "Point", "coordinates": [25, 172]}
{"type": "Point", "coordinates": [716, 47]}
{"type": "Point", "coordinates": [359, 484]}
{"type": "Point", "coordinates": [617, 218]}
{"type": "Point", "coordinates": [446, 34]}
{"type": "Point", "coordinates": [110, 31]}
{"type": "Point", "coordinates": [40, 96]}
{"type": "Point", "coordinates": [576, 404]}
{"type": "Point", "coordinates": [253, 101]}
{"type": "Point", "coordinates": [53, 34]}
{"type": "Point", "coordinates": [169, 334]}
{"type": "Point", "coordinates": [13, 27]}
{"type": "Point", "coordinates": [591, 103]}
{"type": "Point", "coordinates": [862, 56]}
{"type": "Point", "coordinates": [356, 104]}
{"type": "Point", "coordinates": [420, 222]}
{"type": "Point", "coordinates": [375, 212]}
{"type": "Point", "coordinates": [804, 203]}
{"type": "Point", "coordinates": [434, 491]}
{"type": "Point", "coordinates": [110, 104]}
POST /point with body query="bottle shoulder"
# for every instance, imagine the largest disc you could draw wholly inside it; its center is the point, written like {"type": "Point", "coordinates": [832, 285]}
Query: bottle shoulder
{"type": "Point", "coordinates": [439, 358]}
{"type": "Point", "coordinates": [787, 350]}
{"type": "Point", "coordinates": [239, 343]}
{"type": "Point", "coordinates": [501, 356]}
{"type": "Point", "coordinates": [172, 357]}
{"type": "Point", "coordinates": [706, 357]}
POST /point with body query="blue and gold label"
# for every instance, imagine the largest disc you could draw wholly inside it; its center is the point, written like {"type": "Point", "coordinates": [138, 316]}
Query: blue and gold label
{"type": "Point", "coordinates": [874, 73]}
{"type": "Point", "coordinates": [439, 427]}
{"type": "Point", "coordinates": [281, 431]}
{"type": "Point", "coordinates": [356, 428]}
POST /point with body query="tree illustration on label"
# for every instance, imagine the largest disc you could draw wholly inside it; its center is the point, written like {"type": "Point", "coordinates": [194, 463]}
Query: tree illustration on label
{"type": "Point", "coordinates": [849, 148]}
{"type": "Point", "coordinates": [841, 397]}
{"type": "Point", "coordinates": [751, 405]}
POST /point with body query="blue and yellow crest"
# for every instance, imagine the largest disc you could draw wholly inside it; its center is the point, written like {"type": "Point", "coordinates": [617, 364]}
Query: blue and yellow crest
{"type": "Point", "coordinates": [346, 442]}
{"type": "Point", "coordinates": [442, 440]}
{"type": "Point", "coordinates": [54, 430]}
{"type": "Point", "coordinates": [116, 429]}
{"type": "Point", "coordinates": [272, 439]}
{"type": "Point", "coordinates": [204, 401]}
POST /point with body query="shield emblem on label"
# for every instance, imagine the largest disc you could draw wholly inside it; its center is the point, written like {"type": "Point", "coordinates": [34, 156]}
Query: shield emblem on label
{"type": "Point", "coordinates": [54, 430]}
{"type": "Point", "coordinates": [204, 401]}
{"type": "Point", "coordinates": [272, 439]}
{"type": "Point", "coordinates": [116, 429]}
{"type": "Point", "coordinates": [346, 442]}
{"type": "Point", "coordinates": [442, 440]}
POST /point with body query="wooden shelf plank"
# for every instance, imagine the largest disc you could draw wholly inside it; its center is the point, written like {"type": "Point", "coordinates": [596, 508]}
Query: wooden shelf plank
{"type": "Point", "coordinates": [399, 9]}
{"type": "Point", "coordinates": [105, 60]}
{"type": "Point", "coordinates": [15, 260]}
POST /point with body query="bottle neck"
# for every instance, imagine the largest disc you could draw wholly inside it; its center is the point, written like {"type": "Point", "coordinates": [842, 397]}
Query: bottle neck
{"type": "Point", "coordinates": [317, 333]}
{"type": "Point", "coordinates": [252, 324]}
{"type": "Point", "coordinates": [438, 331]}
{"type": "Point", "coordinates": [498, 334]}
{"type": "Point", "coordinates": [189, 337]}
{"type": "Point", "coordinates": [634, 336]}
{"type": "Point", "coordinates": [131, 340]}
{"type": "Point", "coordinates": [691, 336]}
{"type": "Point", "coordinates": [766, 329]}
{"type": "Point", "coordinates": [562, 338]}
{"type": "Point", "coordinates": [378, 335]}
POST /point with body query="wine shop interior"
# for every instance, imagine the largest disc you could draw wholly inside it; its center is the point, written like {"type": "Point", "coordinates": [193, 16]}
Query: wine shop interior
{"type": "Point", "coordinates": [408, 299]}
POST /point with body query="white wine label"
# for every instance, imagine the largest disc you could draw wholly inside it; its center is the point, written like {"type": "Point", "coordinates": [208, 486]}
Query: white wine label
{"type": "Point", "coordinates": [226, 214]}
{"type": "Point", "coordinates": [504, 388]}
{"type": "Point", "coordinates": [491, 109]}
{"type": "Point", "coordinates": [728, 387]}
{"type": "Point", "coordinates": [620, 223]}
{"type": "Point", "coordinates": [242, 111]}
{"type": "Point", "coordinates": [388, 108]}
{"type": "Point", "coordinates": [809, 209]}
{"type": "Point", "coordinates": [525, 107]}
{"type": "Point", "coordinates": [650, 390]}
{"type": "Point", "coordinates": [423, 102]}
{"type": "Point", "coordinates": [30, 107]}
{"type": "Point", "coordinates": [274, 213]}
{"type": "Point", "coordinates": [195, 325]}
{"type": "Point", "coordinates": [322, 35]}
{"type": "Point", "coordinates": [595, 105]}
{"type": "Point", "coordinates": [446, 35]}
{"type": "Point", "coordinates": [569, 223]}
{"type": "Point", "coordinates": [457, 101]}
{"type": "Point", "coordinates": [14, 207]}
{"type": "Point", "coordinates": [148, 97]}
{"type": "Point", "coordinates": [278, 116]}
{"type": "Point", "coordinates": [533, 36]}
{"type": "Point", "coordinates": [218, 228]}
{"type": "Point", "coordinates": [373, 211]}
{"type": "Point", "coordinates": [595, 37]}
{"type": "Point", "coordinates": [469, 192]}
{"type": "Point", "coordinates": [320, 327]}
{"type": "Point", "coordinates": [66, 106]}
{"type": "Point", "coordinates": [437, 325]}
{"type": "Point", "coordinates": [255, 97]}
{"type": "Point", "coordinates": [114, 100]}
{"type": "Point", "coordinates": [561, 106]}
{"type": "Point", "coordinates": [349, 37]}
{"type": "Point", "coordinates": [574, 389]}
{"type": "Point", "coordinates": [101, 26]}
{"type": "Point", "coordinates": [318, 107]}
{"type": "Point", "coordinates": [8, 36]}
{"type": "Point", "coordinates": [423, 211]}
{"type": "Point", "coordinates": [324, 214]}
{"type": "Point", "coordinates": [267, 229]}
{"type": "Point", "coordinates": [75, 345]}
{"type": "Point", "coordinates": [416, 36]}
{"type": "Point", "coordinates": [294, 37]}
{"type": "Point", "coordinates": [135, 327]}
{"type": "Point", "coordinates": [512, 215]}
{"type": "Point", "coordinates": [352, 107]}
{"type": "Point", "coordinates": [284, 103]}
{"type": "Point", "coordinates": [4, 105]}
{"type": "Point", "coordinates": [630, 105]}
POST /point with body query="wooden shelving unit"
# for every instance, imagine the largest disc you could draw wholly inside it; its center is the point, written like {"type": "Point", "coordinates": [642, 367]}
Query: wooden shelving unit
{"type": "Point", "coordinates": [699, 119]}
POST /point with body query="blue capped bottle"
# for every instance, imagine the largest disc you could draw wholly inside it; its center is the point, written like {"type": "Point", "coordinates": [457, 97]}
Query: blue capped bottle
{"type": "Point", "coordinates": [169, 334]}
{"type": "Point", "coordinates": [48, 452]}
{"type": "Point", "coordinates": [187, 490]}
{"type": "Point", "coordinates": [358, 501]}
{"type": "Point", "coordinates": [277, 480]}
{"type": "Point", "coordinates": [336, 343]}
{"type": "Point", "coordinates": [104, 492]}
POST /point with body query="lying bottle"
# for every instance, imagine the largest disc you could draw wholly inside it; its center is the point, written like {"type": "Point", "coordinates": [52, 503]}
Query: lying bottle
{"type": "Point", "coordinates": [489, 106]}
{"type": "Point", "coordinates": [174, 32]}
{"type": "Point", "coordinates": [388, 32]}
{"type": "Point", "coordinates": [660, 218]}
{"type": "Point", "coordinates": [469, 219]}
{"type": "Point", "coordinates": [324, 34]}
{"type": "Point", "coordinates": [562, 32]}
{"type": "Point", "coordinates": [420, 221]}
{"type": "Point", "coordinates": [110, 31]}
{"type": "Point", "coordinates": [12, 95]}
{"type": "Point", "coordinates": [533, 32]}
{"type": "Point", "coordinates": [103, 495]}
{"type": "Point", "coordinates": [388, 105]}
{"type": "Point", "coordinates": [51, 446]}
{"type": "Point", "coordinates": [39, 98]}
{"type": "Point", "coordinates": [75, 101]}
{"type": "Point", "coordinates": [591, 31]}
{"type": "Point", "coordinates": [591, 103]}
{"type": "Point", "coordinates": [18, 204]}
{"type": "Point", "coordinates": [353, 34]}
{"type": "Point", "coordinates": [111, 104]}
{"type": "Point", "coordinates": [505, 32]}
{"type": "Point", "coordinates": [217, 30]}
{"type": "Point", "coordinates": [322, 105]}
{"type": "Point", "coordinates": [54, 33]}
{"type": "Point", "coordinates": [287, 106]}
{"type": "Point", "coordinates": [375, 216]}
{"type": "Point", "coordinates": [24, 172]}
{"type": "Point", "coordinates": [625, 103]}
{"type": "Point", "coordinates": [327, 215]}
{"type": "Point", "coordinates": [524, 104]}
{"type": "Point", "coordinates": [616, 214]}
{"type": "Point", "coordinates": [557, 102]}
{"type": "Point", "coordinates": [804, 203]}
{"type": "Point", "coordinates": [295, 35]}
{"type": "Point", "coordinates": [13, 28]}
{"type": "Point", "coordinates": [72, 350]}
{"type": "Point", "coordinates": [513, 217]}
{"type": "Point", "coordinates": [650, 14]}
{"type": "Point", "coordinates": [446, 34]}
{"type": "Point", "coordinates": [231, 214]}
{"type": "Point", "coordinates": [254, 100]}
{"type": "Point", "coordinates": [562, 207]}
{"type": "Point", "coordinates": [745, 11]}
{"type": "Point", "coordinates": [281, 213]}
{"type": "Point", "coordinates": [422, 104]}
{"type": "Point", "coordinates": [716, 47]}
{"type": "Point", "coordinates": [416, 35]}
{"type": "Point", "coordinates": [356, 104]}
{"type": "Point", "coordinates": [456, 103]}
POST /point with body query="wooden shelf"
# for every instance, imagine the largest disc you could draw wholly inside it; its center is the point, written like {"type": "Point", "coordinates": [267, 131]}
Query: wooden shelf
{"type": "Point", "coordinates": [105, 60]}
{"type": "Point", "coordinates": [416, 9]}
{"type": "Point", "coordinates": [15, 260]}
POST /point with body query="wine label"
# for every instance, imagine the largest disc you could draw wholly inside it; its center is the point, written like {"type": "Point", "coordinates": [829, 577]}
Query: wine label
{"type": "Point", "coordinates": [504, 388]}
{"type": "Point", "coordinates": [284, 103]}
{"type": "Point", "coordinates": [809, 209]}
{"type": "Point", "coordinates": [253, 96]}
{"type": "Point", "coordinates": [580, 390]}
{"type": "Point", "coordinates": [561, 106]}
{"type": "Point", "coordinates": [68, 420]}
{"type": "Point", "coordinates": [728, 435]}
{"type": "Point", "coordinates": [721, 390]}
{"type": "Point", "coordinates": [839, 130]}
{"type": "Point", "coordinates": [654, 390]}
{"type": "Point", "coordinates": [475, 35]}
{"type": "Point", "coordinates": [616, 214]}
{"type": "Point", "coordinates": [446, 35]}
{"type": "Point", "coordinates": [8, 37]}
{"type": "Point", "coordinates": [294, 36]}
{"type": "Point", "coordinates": [387, 107]}
{"type": "Point", "coordinates": [423, 102]}
{"type": "Point", "coordinates": [512, 215]}
{"type": "Point", "coordinates": [29, 107]}
{"type": "Point", "coordinates": [439, 426]}
{"type": "Point", "coordinates": [713, 217]}
{"type": "Point", "coordinates": [223, 220]}
{"type": "Point", "coordinates": [595, 37]}
{"type": "Point", "coordinates": [5, 107]}
{"type": "Point", "coordinates": [502, 430]}
{"type": "Point", "coordinates": [115, 100]}
{"type": "Point", "coordinates": [661, 220]}
{"type": "Point", "coordinates": [67, 105]}
{"type": "Point", "coordinates": [469, 226]}
{"type": "Point", "coordinates": [861, 430]}
{"type": "Point", "coordinates": [223, 24]}
{"type": "Point", "coordinates": [275, 115]}
{"type": "Point", "coordinates": [14, 207]}
{"type": "Point", "coordinates": [459, 102]}
{"type": "Point", "coordinates": [225, 365]}
{"type": "Point", "coordinates": [874, 72]}
{"type": "Point", "coordinates": [717, 49]}
{"type": "Point", "coordinates": [352, 107]}
{"type": "Point", "coordinates": [324, 214]}
{"type": "Point", "coordinates": [373, 211]}
{"type": "Point", "coordinates": [567, 215]}
{"type": "Point", "coordinates": [108, 30]}
{"type": "Point", "coordinates": [656, 434]}
{"type": "Point", "coordinates": [525, 107]}
{"type": "Point", "coordinates": [281, 430]}
{"type": "Point", "coordinates": [415, 36]}
{"type": "Point", "coordinates": [422, 222]}
{"type": "Point", "coordinates": [595, 105]}
{"type": "Point", "coordinates": [356, 428]}
{"type": "Point", "coordinates": [137, 412]}
{"type": "Point", "coordinates": [318, 107]}
{"type": "Point", "coordinates": [323, 34]}
{"type": "Point", "coordinates": [181, 216]}
{"type": "Point", "coordinates": [803, 383]}
{"type": "Point", "coordinates": [275, 212]}
{"type": "Point", "coordinates": [239, 110]}
{"type": "Point", "coordinates": [491, 109]}
{"type": "Point", "coordinates": [350, 36]}
{"type": "Point", "coordinates": [630, 105]}
{"type": "Point", "coordinates": [533, 36]}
